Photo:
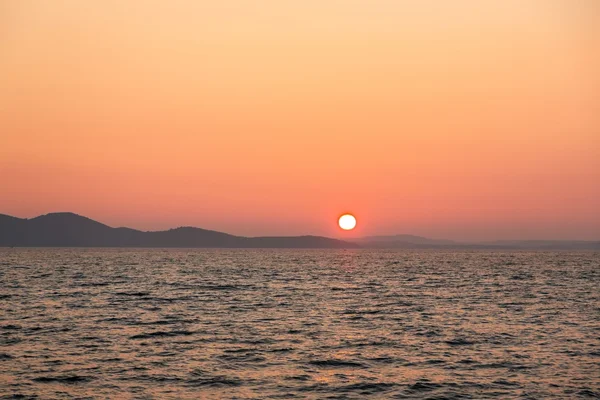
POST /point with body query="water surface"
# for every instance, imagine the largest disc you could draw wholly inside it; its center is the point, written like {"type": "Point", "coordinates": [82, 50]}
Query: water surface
{"type": "Point", "coordinates": [114, 323]}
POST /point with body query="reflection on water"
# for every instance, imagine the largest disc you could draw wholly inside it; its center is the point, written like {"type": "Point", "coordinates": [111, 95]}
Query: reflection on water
{"type": "Point", "coordinates": [298, 324]}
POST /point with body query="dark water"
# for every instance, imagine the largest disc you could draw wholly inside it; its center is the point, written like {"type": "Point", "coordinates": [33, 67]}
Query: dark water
{"type": "Point", "coordinates": [298, 324]}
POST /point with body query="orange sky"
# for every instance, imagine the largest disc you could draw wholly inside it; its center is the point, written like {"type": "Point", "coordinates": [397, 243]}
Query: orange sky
{"type": "Point", "coordinates": [466, 119]}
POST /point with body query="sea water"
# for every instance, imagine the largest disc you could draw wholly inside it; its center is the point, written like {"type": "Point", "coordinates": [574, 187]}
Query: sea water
{"type": "Point", "coordinates": [196, 323]}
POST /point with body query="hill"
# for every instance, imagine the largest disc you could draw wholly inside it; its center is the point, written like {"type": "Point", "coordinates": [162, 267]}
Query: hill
{"type": "Point", "coordinates": [72, 230]}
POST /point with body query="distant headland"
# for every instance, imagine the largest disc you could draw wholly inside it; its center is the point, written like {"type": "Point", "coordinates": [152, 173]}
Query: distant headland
{"type": "Point", "coordinates": [72, 230]}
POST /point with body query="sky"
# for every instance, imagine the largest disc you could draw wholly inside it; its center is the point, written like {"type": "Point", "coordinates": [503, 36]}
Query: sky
{"type": "Point", "coordinates": [467, 120]}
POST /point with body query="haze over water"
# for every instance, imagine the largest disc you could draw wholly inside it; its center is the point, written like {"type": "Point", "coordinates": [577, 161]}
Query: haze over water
{"type": "Point", "coordinates": [89, 323]}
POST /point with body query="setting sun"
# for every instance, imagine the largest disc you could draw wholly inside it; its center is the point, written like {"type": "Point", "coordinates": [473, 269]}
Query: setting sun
{"type": "Point", "coordinates": [347, 222]}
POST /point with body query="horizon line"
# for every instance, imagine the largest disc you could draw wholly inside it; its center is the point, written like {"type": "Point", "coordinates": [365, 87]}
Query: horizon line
{"type": "Point", "coordinates": [348, 239]}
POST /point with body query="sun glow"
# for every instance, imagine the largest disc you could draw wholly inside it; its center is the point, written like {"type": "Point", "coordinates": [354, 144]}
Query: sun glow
{"type": "Point", "coordinates": [347, 222]}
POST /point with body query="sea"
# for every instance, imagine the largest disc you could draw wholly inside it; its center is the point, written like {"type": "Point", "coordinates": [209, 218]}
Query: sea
{"type": "Point", "coordinates": [298, 324]}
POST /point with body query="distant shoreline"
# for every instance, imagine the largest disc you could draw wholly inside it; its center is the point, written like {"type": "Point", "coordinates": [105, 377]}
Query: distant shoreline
{"type": "Point", "coordinates": [69, 230]}
{"type": "Point", "coordinates": [391, 250]}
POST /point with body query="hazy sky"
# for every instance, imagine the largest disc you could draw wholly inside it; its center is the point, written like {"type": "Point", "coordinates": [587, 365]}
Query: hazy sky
{"type": "Point", "coordinates": [457, 119]}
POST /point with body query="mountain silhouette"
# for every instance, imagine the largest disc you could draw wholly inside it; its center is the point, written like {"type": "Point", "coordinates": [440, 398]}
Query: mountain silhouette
{"type": "Point", "coordinates": [72, 230]}
{"type": "Point", "coordinates": [419, 242]}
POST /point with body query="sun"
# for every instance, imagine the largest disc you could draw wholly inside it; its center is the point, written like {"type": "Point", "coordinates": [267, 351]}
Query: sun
{"type": "Point", "coordinates": [347, 222]}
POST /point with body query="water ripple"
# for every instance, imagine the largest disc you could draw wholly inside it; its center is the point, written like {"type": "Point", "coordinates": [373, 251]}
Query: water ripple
{"type": "Point", "coordinates": [310, 324]}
